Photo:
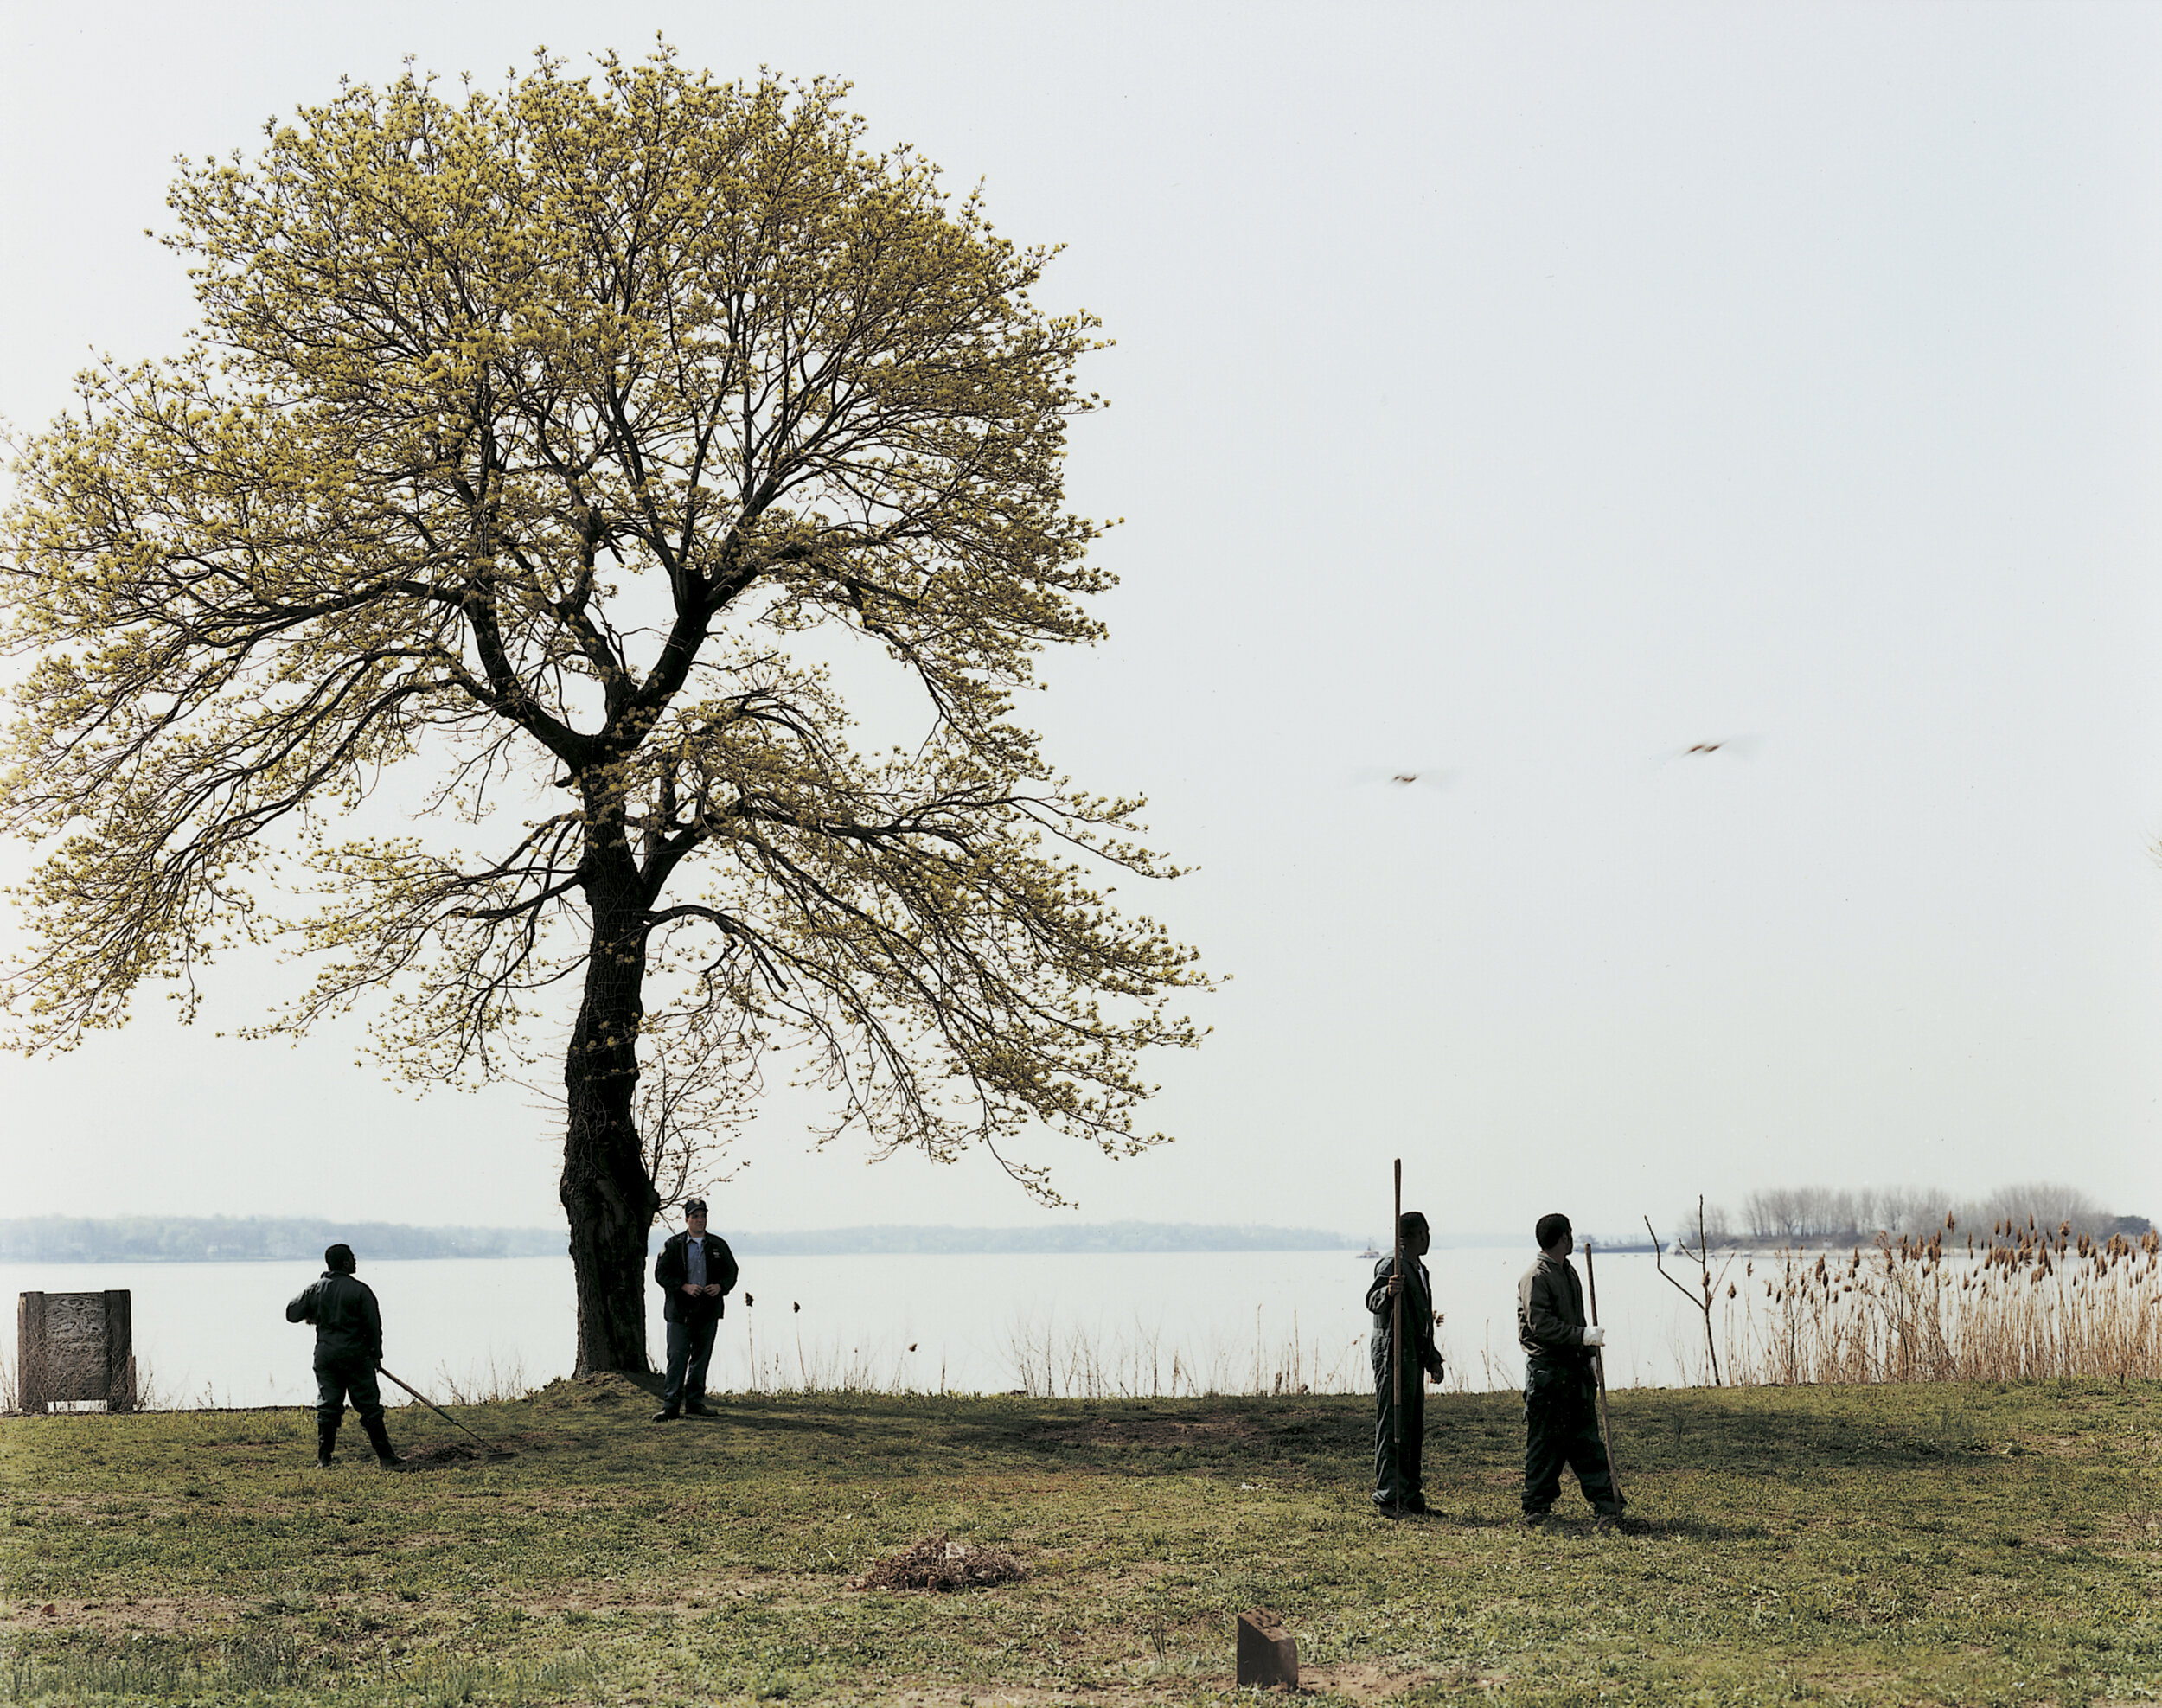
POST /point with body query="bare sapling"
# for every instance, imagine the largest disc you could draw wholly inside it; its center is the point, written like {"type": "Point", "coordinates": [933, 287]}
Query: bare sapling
{"type": "Point", "coordinates": [1708, 1288]}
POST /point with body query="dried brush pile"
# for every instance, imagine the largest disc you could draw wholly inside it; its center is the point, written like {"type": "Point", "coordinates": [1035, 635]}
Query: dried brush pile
{"type": "Point", "coordinates": [937, 1564]}
{"type": "Point", "coordinates": [2023, 1304]}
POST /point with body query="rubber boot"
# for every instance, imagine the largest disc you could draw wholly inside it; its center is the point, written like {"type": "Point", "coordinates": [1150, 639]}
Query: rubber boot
{"type": "Point", "coordinates": [379, 1438]}
{"type": "Point", "coordinates": [326, 1440]}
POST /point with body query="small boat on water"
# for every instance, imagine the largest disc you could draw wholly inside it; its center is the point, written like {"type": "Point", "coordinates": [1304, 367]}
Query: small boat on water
{"type": "Point", "coordinates": [1370, 1252]}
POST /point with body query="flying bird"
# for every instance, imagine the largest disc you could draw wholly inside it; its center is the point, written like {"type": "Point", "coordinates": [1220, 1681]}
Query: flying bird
{"type": "Point", "coordinates": [1733, 746]}
{"type": "Point", "coordinates": [1404, 777]}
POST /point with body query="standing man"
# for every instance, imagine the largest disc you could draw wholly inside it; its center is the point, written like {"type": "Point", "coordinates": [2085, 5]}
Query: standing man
{"type": "Point", "coordinates": [349, 1345]}
{"type": "Point", "coordinates": [693, 1271]}
{"type": "Point", "coordinates": [1398, 1488]}
{"type": "Point", "coordinates": [1561, 1417]}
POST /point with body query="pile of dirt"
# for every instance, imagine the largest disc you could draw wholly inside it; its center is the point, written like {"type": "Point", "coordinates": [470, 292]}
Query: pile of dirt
{"type": "Point", "coordinates": [603, 1387]}
{"type": "Point", "coordinates": [937, 1564]}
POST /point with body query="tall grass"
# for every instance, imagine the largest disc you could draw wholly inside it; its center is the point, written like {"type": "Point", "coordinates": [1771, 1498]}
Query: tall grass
{"type": "Point", "coordinates": [1070, 1364]}
{"type": "Point", "coordinates": [2022, 1305]}
{"type": "Point", "coordinates": [486, 1382]}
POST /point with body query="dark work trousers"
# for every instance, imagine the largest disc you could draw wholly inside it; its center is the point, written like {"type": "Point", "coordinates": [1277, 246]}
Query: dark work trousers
{"type": "Point", "coordinates": [1561, 1426]}
{"type": "Point", "coordinates": [690, 1350]}
{"type": "Point", "coordinates": [336, 1377]}
{"type": "Point", "coordinates": [1397, 1471]}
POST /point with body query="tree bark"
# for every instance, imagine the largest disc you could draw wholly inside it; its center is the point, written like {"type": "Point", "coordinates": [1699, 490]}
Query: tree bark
{"type": "Point", "coordinates": [605, 1190]}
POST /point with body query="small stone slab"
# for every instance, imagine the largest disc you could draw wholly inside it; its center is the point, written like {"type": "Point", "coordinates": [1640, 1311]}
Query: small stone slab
{"type": "Point", "coordinates": [1266, 1654]}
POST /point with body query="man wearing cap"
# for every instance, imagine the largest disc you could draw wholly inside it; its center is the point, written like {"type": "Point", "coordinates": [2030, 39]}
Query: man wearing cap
{"type": "Point", "coordinates": [1561, 1413]}
{"type": "Point", "coordinates": [349, 1345]}
{"type": "Point", "coordinates": [696, 1269]}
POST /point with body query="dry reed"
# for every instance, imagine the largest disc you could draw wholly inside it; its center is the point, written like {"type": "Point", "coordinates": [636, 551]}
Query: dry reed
{"type": "Point", "coordinates": [2024, 1304]}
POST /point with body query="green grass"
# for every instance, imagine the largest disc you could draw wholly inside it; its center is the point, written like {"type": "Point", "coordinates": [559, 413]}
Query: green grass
{"type": "Point", "coordinates": [1967, 1544]}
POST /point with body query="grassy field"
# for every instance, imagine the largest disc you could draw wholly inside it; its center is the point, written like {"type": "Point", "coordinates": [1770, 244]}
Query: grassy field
{"type": "Point", "coordinates": [1968, 1544]}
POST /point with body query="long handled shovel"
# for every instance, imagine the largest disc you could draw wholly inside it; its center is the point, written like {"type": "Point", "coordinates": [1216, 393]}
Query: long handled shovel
{"type": "Point", "coordinates": [437, 1410]}
{"type": "Point", "coordinates": [1599, 1364]}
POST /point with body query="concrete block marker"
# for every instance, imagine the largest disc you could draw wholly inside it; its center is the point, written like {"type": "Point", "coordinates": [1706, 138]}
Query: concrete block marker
{"type": "Point", "coordinates": [1266, 1654]}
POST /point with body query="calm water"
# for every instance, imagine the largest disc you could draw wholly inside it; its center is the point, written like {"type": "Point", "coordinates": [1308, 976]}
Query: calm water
{"type": "Point", "coordinates": [215, 1334]}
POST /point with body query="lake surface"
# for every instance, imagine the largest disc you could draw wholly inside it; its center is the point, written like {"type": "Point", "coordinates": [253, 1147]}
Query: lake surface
{"type": "Point", "coordinates": [215, 1334]}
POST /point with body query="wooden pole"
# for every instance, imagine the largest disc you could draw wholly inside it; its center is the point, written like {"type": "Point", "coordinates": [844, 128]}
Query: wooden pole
{"type": "Point", "coordinates": [1396, 1328]}
{"type": "Point", "coordinates": [1599, 1364]}
{"type": "Point", "coordinates": [440, 1412]}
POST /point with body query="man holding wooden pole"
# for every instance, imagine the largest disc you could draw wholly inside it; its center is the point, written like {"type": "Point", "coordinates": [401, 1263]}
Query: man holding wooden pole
{"type": "Point", "coordinates": [1561, 1422]}
{"type": "Point", "coordinates": [348, 1326]}
{"type": "Point", "coordinates": [1402, 1300]}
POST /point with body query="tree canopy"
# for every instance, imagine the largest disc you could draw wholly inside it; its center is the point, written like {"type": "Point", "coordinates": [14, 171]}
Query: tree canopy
{"type": "Point", "coordinates": [473, 606]}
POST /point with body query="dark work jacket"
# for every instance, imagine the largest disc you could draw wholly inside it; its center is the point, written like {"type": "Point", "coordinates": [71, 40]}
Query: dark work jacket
{"type": "Point", "coordinates": [1550, 1315]}
{"type": "Point", "coordinates": [1418, 1316]}
{"type": "Point", "coordinates": [672, 1269]}
{"type": "Point", "coordinates": [349, 1323]}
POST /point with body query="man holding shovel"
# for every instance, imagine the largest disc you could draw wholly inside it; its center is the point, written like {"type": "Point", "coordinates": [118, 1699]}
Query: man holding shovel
{"type": "Point", "coordinates": [1561, 1420]}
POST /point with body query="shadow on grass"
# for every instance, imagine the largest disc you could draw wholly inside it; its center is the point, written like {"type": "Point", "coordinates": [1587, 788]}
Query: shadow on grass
{"type": "Point", "coordinates": [1784, 1435]}
{"type": "Point", "coordinates": [797, 1424]}
{"type": "Point", "coordinates": [1791, 1432]}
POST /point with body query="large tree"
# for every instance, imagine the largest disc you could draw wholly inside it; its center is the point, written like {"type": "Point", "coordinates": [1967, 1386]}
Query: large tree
{"type": "Point", "coordinates": [490, 572]}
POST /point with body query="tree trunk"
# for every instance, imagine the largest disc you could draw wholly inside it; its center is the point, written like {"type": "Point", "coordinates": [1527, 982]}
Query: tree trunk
{"type": "Point", "coordinates": [605, 1190]}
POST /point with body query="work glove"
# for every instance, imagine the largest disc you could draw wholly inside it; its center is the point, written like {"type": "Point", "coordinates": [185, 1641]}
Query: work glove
{"type": "Point", "coordinates": [1595, 1337]}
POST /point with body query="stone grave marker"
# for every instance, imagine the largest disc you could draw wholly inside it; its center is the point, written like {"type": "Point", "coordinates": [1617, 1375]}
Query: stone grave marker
{"type": "Point", "coordinates": [75, 1347]}
{"type": "Point", "coordinates": [1267, 1655]}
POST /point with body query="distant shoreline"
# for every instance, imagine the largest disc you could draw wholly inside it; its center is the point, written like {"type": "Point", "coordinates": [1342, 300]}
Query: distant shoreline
{"type": "Point", "coordinates": [295, 1239]}
{"type": "Point", "coordinates": [227, 1239]}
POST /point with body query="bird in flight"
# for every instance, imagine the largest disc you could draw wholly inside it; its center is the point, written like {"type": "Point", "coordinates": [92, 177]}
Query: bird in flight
{"type": "Point", "coordinates": [1734, 747]}
{"type": "Point", "coordinates": [1404, 777]}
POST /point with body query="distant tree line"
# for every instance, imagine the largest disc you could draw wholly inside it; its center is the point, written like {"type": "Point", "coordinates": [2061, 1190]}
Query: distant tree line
{"type": "Point", "coordinates": [208, 1239]}
{"type": "Point", "coordinates": [1786, 1214]}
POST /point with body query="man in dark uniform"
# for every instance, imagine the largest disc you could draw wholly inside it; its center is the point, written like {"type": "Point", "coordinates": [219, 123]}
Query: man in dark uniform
{"type": "Point", "coordinates": [1561, 1415]}
{"type": "Point", "coordinates": [694, 1270]}
{"type": "Point", "coordinates": [1396, 1485]}
{"type": "Point", "coordinates": [348, 1346]}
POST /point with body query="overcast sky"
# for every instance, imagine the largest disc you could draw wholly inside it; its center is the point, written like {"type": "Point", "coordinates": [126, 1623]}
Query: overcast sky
{"type": "Point", "coordinates": [1513, 396]}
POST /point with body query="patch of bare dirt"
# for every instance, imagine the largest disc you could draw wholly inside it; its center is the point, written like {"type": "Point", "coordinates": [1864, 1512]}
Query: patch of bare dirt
{"type": "Point", "coordinates": [1358, 1681]}
{"type": "Point", "coordinates": [936, 1562]}
{"type": "Point", "coordinates": [162, 1614]}
{"type": "Point", "coordinates": [1354, 1681]}
{"type": "Point", "coordinates": [2060, 1447]}
{"type": "Point", "coordinates": [683, 1595]}
{"type": "Point", "coordinates": [457, 1453]}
